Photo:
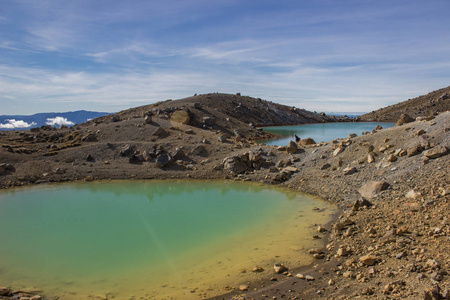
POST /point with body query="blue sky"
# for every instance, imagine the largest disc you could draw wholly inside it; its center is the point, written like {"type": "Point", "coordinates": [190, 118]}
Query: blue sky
{"type": "Point", "coordinates": [345, 56]}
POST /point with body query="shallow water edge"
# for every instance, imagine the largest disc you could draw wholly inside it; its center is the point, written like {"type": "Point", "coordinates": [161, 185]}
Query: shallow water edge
{"type": "Point", "coordinates": [226, 258]}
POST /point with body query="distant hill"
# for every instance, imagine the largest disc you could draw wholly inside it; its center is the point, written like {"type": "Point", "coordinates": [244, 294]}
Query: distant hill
{"type": "Point", "coordinates": [11, 122]}
{"type": "Point", "coordinates": [243, 109]}
{"type": "Point", "coordinates": [429, 104]}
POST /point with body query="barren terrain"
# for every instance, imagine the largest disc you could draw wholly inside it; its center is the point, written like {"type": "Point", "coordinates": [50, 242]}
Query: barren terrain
{"type": "Point", "coordinates": [392, 185]}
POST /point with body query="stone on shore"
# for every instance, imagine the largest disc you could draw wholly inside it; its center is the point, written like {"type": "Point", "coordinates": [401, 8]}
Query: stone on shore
{"type": "Point", "coordinates": [4, 291]}
{"type": "Point", "coordinates": [338, 150]}
{"type": "Point", "coordinates": [436, 152]}
{"type": "Point", "coordinates": [163, 160]}
{"type": "Point", "coordinates": [404, 118]}
{"type": "Point", "coordinates": [258, 269]}
{"type": "Point", "coordinates": [235, 165]}
{"type": "Point", "coordinates": [243, 287]}
{"type": "Point", "coordinates": [291, 147]}
{"type": "Point", "coordinates": [279, 268]}
{"type": "Point", "coordinates": [361, 203]}
{"type": "Point", "coordinates": [369, 190]}
{"type": "Point", "coordinates": [306, 142]}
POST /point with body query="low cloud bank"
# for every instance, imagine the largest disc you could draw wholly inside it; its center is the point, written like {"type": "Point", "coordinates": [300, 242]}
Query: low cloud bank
{"type": "Point", "coordinates": [59, 121]}
{"type": "Point", "coordinates": [12, 123]}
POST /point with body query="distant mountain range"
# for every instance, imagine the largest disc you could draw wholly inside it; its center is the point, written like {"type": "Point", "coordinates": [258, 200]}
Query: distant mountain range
{"type": "Point", "coordinates": [348, 114]}
{"type": "Point", "coordinates": [11, 122]}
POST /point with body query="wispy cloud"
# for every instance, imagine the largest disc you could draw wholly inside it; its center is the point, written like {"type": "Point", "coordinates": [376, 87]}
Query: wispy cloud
{"type": "Point", "coordinates": [320, 55]}
{"type": "Point", "coordinates": [131, 50]}
{"type": "Point", "coordinates": [50, 38]}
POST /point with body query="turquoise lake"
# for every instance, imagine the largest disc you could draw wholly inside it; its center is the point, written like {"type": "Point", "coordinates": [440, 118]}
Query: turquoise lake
{"type": "Point", "coordinates": [321, 132]}
{"type": "Point", "coordinates": [151, 239]}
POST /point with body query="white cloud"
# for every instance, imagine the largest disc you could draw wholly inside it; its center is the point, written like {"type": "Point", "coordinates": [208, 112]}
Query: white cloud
{"type": "Point", "coordinates": [311, 87]}
{"type": "Point", "coordinates": [12, 123]}
{"type": "Point", "coordinates": [59, 121]}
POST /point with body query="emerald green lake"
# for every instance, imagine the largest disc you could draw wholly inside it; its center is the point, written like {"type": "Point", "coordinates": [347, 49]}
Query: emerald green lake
{"type": "Point", "coordinates": [320, 132]}
{"type": "Point", "coordinates": [150, 240]}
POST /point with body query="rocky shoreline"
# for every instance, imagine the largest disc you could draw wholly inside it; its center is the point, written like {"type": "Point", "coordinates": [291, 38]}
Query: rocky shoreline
{"type": "Point", "coordinates": [390, 241]}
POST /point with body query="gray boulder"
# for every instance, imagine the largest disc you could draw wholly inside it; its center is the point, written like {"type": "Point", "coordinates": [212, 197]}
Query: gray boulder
{"type": "Point", "coordinates": [235, 165]}
{"type": "Point", "coordinates": [163, 160]}
{"type": "Point", "coordinates": [199, 150]}
{"type": "Point", "coordinates": [209, 121]}
{"type": "Point", "coordinates": [90, 137]}
{"type": "Point", "coordinates": [127, 150]}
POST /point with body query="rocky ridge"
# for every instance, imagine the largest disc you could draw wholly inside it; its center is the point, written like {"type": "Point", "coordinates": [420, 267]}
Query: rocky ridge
{"type": "Point", "coordinates": [425, 105]}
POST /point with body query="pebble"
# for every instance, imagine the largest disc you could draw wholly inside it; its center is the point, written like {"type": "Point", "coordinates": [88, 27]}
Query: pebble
{"type": "Point", "coordinates": [258, 269]}
{"type": "Point", "coordinates": [368, 260]}
{"type": "Point", "coordinates": [243, 287]}
{"type": "Point", "coordinates": [279, 268]}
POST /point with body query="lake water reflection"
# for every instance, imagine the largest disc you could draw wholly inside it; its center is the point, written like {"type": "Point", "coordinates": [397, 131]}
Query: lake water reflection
{"type": "Point", "coordinates": [184, 239]}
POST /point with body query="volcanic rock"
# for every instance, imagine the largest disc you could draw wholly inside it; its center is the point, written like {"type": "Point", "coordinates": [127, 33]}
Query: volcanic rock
{"type": "Point", "coordinates": [291, 147]}
{"type": "Point", "coordinates": [90, 137]}
{"type": "Point", "coordinates": [235, 165]}
{"type": "Point", "coordinates": [370, 189]}
{"type": "Point", "coordinates": [436, 152]}
{"type": "Point", "coordinates": [279, 268]}
{"type": "Point", "coordinates": [404, 118]}
{"type": "Point", "coordinates": [349, 170]}
{"type": "Point", "coordinates": [163, 160]}
{"type": "Point", "coordinates": [180, 116]}
{"type": "Point", "coordinates": [368, 260]}
{"type": "Point", "coordinates": [306, 142]}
